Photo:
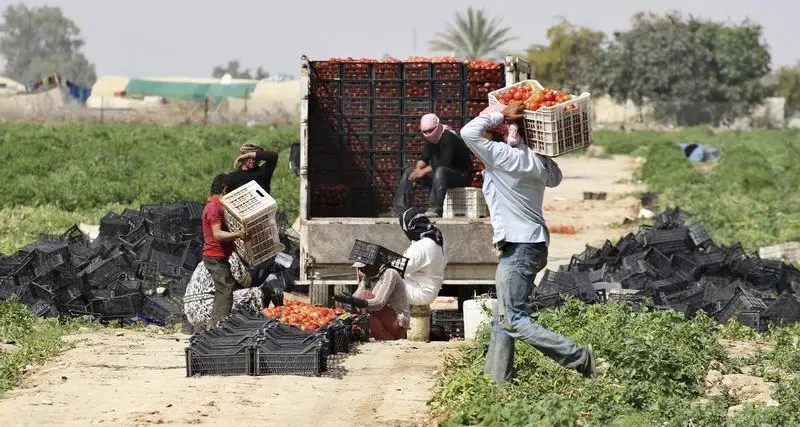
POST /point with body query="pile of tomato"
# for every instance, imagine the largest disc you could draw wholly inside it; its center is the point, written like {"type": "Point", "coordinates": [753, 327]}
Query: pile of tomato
{"type": "Point", "coordinates": [303, 315]}
{"type": "Point", "coordinates": [533, 98]}
{"type": "Point", "coordinates": [479, 64]}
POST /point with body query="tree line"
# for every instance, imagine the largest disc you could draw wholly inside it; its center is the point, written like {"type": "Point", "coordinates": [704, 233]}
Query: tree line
{"type": "Point", "coordinates": [689, 70]}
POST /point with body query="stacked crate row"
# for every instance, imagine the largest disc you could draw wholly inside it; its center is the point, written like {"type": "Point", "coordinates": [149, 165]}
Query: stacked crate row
{"type": "Point", "coordinates": [364, 126]}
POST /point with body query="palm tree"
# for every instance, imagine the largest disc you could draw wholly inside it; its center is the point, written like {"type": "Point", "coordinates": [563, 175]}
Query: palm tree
{"type": "Point", "coordinates": [472, 36]}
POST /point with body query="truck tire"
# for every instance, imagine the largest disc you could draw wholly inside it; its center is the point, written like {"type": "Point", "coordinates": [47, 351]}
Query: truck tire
{"type": "Point", "coordinates": [320, 295]}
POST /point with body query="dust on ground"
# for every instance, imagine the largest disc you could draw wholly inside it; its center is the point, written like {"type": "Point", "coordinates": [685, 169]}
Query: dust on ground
{"type": "Point", "coordinates": [135, 378]}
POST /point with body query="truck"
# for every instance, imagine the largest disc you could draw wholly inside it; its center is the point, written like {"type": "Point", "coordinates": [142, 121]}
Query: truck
{"type": "Point", "coordinates": [359, 126]}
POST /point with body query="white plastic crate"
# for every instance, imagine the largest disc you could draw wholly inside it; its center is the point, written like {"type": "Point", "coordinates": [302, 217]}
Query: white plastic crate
{"type": "Point", "coordinates": [788, 252]}
{"type": "Point", "coordinates": [467, 202]}
{"type": "Point", "coordinates": [554, 131]}
{"type": "Point", "coordinates": [252, 209]}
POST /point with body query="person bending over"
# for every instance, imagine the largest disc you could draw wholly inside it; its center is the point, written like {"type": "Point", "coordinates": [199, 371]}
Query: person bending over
{"type": "Point", "coordinates": [382, 293]}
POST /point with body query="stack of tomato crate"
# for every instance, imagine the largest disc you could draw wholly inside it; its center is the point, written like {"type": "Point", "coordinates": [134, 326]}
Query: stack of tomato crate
{"type": "Point", "coordinates": [364, 125]}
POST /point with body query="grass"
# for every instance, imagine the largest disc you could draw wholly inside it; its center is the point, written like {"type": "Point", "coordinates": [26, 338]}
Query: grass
{"type": "Point", "coordinates": [57, 175]}
{"type": "Point", "coordinates": [33, 339]}
{"type": "Point", "coordinates": [652, 372]}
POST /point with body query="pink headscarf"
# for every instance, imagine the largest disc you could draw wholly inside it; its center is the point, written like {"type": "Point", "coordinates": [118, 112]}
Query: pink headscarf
{"type": "Point", "coordinates": [431, 121]}
{"type": "Point", "coordinates": [510, 132]}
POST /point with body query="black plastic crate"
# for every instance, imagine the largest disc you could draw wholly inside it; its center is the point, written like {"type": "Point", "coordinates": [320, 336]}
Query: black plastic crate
{"type": "Point", "coordinates": [448, 71]}
{"type": "Point", "coordinates": [659, 261]}
{"type": "Point", "coordinates": [448, 90]}
{"type": "Point", "coordinates": [698, 234]}
{"type": "Point", "coordinates": [452, 322]}
{"type": "Point", "coordinates": [710, 261]}
{"type": "Point", "coordinates": [356, 70]}
{"type": "Point", "coordinates": [325, 69]}
{"type": "Point", "coordinates": [448, 107]}
{"type": "Point", "coordinates": [543, 302]}
{"type": "Point", "coordinates": [386, 107]}
{"type": "Point", "coordinates": [160, 308]}
{"type": "Point", "coordinates": [42, 292]}
{"type": "Point", "coordinates": [670, 218]}
{"type": "Point", "coordinates": [74, 235]}
{"type": "Point", "coordinates": [417, 106]}
{"type": "Point", "coordinates": [668, 241]}
{"type": "Point", "coordinates": [486, 75]}
{"type": "Point", "coordinates": [372, 254]}
{"type": "Point", "coordinates": [357, 106]}
{"type": "Point", "coordinates": [122, 306]}
{"type": "Point", "coordinates": [113, 225]}
{"type": "Point", "coordinates": [8, 287]}
{"type": "Point", "coordinates": [99, 272]}
{"type": "Point", "coordinates": [239, 363]}
{"type": "Point", "coordinates": [387, 71]}
{"type": "Point", "coordinates": [785, 309]}
{"type": "Point", "coordinates": [356, 90]}
{"type": "Point", "coordinates": [386, 124]}
{"type": "Point", "coordinates": [305, 362]}
{"type": "Point", "coordinates": [388, 90]}
{"type": "Point", "coordinates": [26, 271]}
{"type": "Point", "coordinates": [742, 302]}
{"type": "Point", "coordinates": [48, 263]}
{"type": "Point", "coordinates": [668, 285]}
{"type": "Point", "coordinates": [417, 71]}
{"type": "Point", "coordinates": [135, 235]}
{"type": "Point", "coordinates": [43, 308]}
{"type": "Point", "coordinates": [359, 327]}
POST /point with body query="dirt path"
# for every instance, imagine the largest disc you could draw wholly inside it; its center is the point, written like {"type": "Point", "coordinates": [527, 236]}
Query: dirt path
{"type": "Point", "coordinates": [138, 378]}
{"type": "Point", "coordinates": [594, 220]}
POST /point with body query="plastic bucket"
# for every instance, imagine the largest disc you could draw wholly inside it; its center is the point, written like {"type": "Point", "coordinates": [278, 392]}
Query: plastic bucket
{"type": "Point", "coordinates": [474, 314]}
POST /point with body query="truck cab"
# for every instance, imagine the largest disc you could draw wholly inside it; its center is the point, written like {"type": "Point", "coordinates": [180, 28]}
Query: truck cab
{"type": "Point", "coordinates": [343, 127]}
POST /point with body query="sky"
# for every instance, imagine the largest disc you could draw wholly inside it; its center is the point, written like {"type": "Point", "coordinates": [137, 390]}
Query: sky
{"type": "Point", "coordinates": [151, 38]}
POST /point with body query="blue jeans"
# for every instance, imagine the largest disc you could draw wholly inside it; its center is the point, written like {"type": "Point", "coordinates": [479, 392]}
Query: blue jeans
{"type": "Point", "coordinates": [518, 266]}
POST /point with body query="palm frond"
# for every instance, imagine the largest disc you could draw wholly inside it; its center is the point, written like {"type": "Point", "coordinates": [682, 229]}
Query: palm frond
{"type": "Point", "coordinates": [472, 35]}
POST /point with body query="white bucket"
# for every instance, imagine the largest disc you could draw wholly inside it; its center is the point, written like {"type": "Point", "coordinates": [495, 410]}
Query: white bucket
{"type": "Point", "coordinates": [474, 315]}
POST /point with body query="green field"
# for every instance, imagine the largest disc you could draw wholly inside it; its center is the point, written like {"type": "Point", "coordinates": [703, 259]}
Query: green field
{"type": "Point", "coordinates": [54, 176]}
{"type": "Point", "coordinates": [652, 372]}
{"type": "Point", "coordinates": [57, 175]}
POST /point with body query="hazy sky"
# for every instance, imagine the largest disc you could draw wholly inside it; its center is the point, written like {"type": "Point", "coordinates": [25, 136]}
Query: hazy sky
{"type": "Point", "coordinates": [188, 37]}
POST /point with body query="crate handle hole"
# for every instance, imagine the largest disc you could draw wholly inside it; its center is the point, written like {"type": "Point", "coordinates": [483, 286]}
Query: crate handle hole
{"type": "Point", "coordinates": [260, 194]}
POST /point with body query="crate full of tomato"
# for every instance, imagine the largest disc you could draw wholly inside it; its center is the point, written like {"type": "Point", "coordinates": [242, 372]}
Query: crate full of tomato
{"type": "Point", "coordinates": [555, 122]}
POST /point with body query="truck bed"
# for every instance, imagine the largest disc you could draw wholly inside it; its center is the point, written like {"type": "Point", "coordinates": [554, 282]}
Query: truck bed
{"type": "Point", "coordinates": [471, 259]}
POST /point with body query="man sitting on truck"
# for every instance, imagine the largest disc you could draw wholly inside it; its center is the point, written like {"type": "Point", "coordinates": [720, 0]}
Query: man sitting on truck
{"type": "Point", "coordinates": [514, 182]}
{"type": "Point", "coordinates": [249, 167]}
{"type": "Point", "coordinates": [445, 163]}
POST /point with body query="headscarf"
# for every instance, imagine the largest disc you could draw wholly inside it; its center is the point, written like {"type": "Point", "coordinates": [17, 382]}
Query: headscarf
{"type": "Point", "coordinates": [249, 147]}
{"type": "Point", "coordinates": [430, 121]}
{"type": "Point", "coordinates": [416, 225]}
{"type": "Point", "coordinates": [510, 132]}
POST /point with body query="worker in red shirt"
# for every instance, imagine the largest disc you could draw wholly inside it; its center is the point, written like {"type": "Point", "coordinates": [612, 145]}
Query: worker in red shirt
{"type": "Point", "coordinates": [218, 247]}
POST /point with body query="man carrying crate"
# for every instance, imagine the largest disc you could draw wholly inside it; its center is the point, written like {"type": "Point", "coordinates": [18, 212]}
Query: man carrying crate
{"type": "Point", "coordinates": [218, 247]}
{"type": "Point", "coordinates": [514, 182]}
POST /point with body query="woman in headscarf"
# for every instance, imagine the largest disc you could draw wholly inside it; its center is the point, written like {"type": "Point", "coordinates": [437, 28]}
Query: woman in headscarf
{"type": "Point", "coordinates": [426, 257]}
{"type": "Point", "coordinates": [382, 293]}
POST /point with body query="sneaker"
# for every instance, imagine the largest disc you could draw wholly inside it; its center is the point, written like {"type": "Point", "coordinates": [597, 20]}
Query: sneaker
{"type": "Point", "coordinates": [588, 368]}
{"type": "Point", "coordinates": [433, 214]}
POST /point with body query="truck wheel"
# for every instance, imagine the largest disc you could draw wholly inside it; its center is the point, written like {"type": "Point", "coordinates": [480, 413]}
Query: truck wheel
{"type": "Point", "coordinates": [320, 295]}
